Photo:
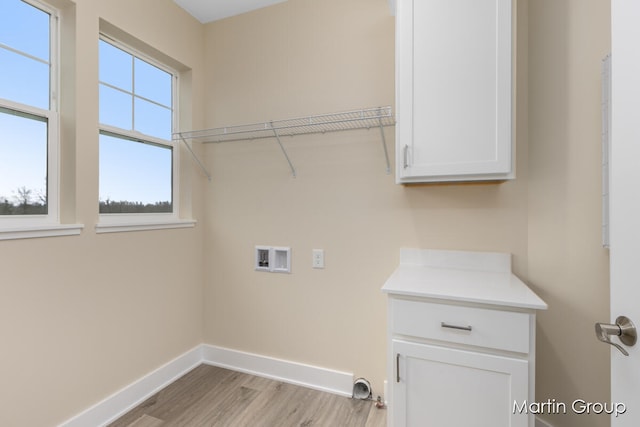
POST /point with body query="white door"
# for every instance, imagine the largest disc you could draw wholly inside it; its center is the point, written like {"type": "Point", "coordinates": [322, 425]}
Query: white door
{"type": "Point", "coordinates": [625, 201]}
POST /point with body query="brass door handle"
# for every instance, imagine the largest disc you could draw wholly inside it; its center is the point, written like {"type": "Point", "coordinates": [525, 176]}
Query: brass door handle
{"type": "Point", "coordinates": [624, 329]}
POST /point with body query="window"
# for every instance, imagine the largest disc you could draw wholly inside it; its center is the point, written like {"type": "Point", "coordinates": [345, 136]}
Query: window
{"type": "Point", "coordinates": [137, 155]}
{"type": "Point", "coordinates": [28, 114]}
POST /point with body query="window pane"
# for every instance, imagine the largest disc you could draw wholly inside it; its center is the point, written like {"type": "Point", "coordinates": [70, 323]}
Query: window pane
{"type": "Point", "coordinates": [134, 177]}
{"type": "Point", "coordinates": [152, 83]}
{"type": "Point", "coordinates": [23, 164]}
{"type": "Point", "coordinates": [152, 119]}
{"type": "Point", "coordinates": [24, 80]}
{"type": "Point", "coordinates": [24, 28]}
{"type": "Point", "coordinates": [115, 108]}
{"type": "Point", "coordinates": [116, 67]}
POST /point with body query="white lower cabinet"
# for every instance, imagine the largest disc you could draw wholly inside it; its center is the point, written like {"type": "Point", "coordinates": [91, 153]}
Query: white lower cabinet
{"type": "Point", "coordinates": [461, 341]}
{"type": "Point", "coordinates": [447, 387]}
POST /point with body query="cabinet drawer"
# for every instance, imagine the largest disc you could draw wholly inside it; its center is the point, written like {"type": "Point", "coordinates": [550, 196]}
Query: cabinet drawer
{"type": "Point", "coordinates": [504, 330]}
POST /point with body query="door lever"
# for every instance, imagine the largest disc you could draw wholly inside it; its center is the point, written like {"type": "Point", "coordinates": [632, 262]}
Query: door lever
{"type": "Point", "coordinates": [623, 328]}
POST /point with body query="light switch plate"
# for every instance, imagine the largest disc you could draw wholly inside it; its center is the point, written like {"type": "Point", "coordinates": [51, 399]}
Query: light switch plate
{"type": "Point", "coordinates": [318, 258]}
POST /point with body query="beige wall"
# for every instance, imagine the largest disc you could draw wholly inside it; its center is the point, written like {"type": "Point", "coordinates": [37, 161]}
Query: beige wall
{"type": "Point", "coordinates": [567, 265]}
{"type": "Point", "coordinates": [307, 57]}
{"type": "Point", "coordinates": [83, 316]}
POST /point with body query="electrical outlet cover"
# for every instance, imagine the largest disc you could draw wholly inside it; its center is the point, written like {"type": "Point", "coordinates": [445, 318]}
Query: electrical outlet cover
{"type": "Point", "coordinates": [318, 258]}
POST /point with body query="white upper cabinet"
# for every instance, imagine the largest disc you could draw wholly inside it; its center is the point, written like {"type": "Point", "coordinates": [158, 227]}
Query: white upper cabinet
{"type": "Point", "coordinates": [454, 90]}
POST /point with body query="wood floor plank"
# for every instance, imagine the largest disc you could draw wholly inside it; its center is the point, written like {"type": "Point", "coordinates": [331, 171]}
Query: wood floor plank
{"type": "Point", "coordinates": [377, 417]}
{"type": "Point", "coordinates": [336, 410]}
{"type": "Point", "coordinates": [218, 412]}
{"type": "Point", "coordinates": [178, 396]}
{"type": "Point", "coordinates": [223, 403]}
{"type": "Point", "coordinates": [274, 405]}
{"type": "Point", "coordinates": [147, 421]}
{"type": "Point", "coordinates": [210, 396]}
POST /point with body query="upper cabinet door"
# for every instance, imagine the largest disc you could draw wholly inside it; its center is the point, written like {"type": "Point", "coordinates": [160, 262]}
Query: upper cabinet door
{"type": "Point", "coordinates": [454, 90]}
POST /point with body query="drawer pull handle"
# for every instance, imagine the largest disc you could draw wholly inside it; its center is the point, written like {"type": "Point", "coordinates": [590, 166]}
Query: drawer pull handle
{"type": "Point", "coordinates": [461, 328]}
{"type": "Point", "coordinates": [397, 367]}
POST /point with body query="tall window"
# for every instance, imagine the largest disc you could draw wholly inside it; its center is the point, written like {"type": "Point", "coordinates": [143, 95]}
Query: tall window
{"type": "Point", "coordinates": [28, 111]}
{"type": "Point", "coordinates": [137, 159]}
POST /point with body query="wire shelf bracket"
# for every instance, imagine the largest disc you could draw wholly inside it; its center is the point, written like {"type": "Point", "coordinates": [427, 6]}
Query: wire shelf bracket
{"type": "Point", "coordinates": [206, 172]}
{"type": "Point", "coordinates": [286, 156]}
{"type": "Point", "coordinates": [377, 117]}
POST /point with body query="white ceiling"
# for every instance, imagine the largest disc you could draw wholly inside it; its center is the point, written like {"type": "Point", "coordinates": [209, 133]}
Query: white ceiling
{"type": "Point", "coordinates": [212, 10]}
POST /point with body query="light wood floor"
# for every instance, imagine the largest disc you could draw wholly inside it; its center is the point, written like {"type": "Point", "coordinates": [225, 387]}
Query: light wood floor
{"type": "Point", "coordinates": [210, 396]}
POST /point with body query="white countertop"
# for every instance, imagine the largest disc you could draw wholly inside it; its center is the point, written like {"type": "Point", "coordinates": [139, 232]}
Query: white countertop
{"type": "Point", "coordinates": [474, 277]}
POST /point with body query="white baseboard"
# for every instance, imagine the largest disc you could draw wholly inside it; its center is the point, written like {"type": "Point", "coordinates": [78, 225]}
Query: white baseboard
{"type": "Point", "coordinates": [129, 397]}
{"type": "Point", "coordinates": [540, 423]}
{"type": "Point", "coordinates": [314, 377]}
{"type": "Point", "coordinates": [132, 395]}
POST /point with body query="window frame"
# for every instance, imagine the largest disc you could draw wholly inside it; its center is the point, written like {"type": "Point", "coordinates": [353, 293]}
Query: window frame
{"type": "Point", "coordinates": [118, 222]}
{"type": "Point", "coordinates": [53, 181]}
{"type": "Point", "coordinates": [43, 225]}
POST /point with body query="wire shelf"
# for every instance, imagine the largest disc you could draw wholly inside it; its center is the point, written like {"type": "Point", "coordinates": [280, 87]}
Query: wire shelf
{"type": "Point", "coordinates": [348, 120]}
{"type": "Point", "coordinates": [377, 117]}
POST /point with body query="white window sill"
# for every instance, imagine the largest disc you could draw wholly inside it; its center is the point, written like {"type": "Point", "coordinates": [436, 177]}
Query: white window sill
{"type": "Point", "coordinates": [30, 232]}
{"type": "Point", "coordinates": [122, 226]}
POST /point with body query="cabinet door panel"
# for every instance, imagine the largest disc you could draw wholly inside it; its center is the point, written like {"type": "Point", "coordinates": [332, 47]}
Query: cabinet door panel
{"type": "Point", "coordinates": [454, 89]}
{"type": "Point", "coordinates": [447, 387]}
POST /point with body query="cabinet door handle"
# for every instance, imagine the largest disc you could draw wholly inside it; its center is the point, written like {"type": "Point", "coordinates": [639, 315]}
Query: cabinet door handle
{"type": "Point", "coordinates": [397, 367]}
{"type": "Point", "coordinates": [405, 156]}
{"type": "Point", "coordinates": [462, 328]}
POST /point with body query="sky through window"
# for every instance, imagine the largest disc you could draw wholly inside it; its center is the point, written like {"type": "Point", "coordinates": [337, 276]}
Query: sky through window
{"type": "Point", "coordinates": [24, 88]}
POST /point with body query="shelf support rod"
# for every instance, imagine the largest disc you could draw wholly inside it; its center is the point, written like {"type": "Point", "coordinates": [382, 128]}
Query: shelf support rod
{"type": "Point", "coordinates": [384, 146]}
{"type": "Point", "coordinates": [277, 135]}
{"type": "Point", "coordinates": [195, 157]}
